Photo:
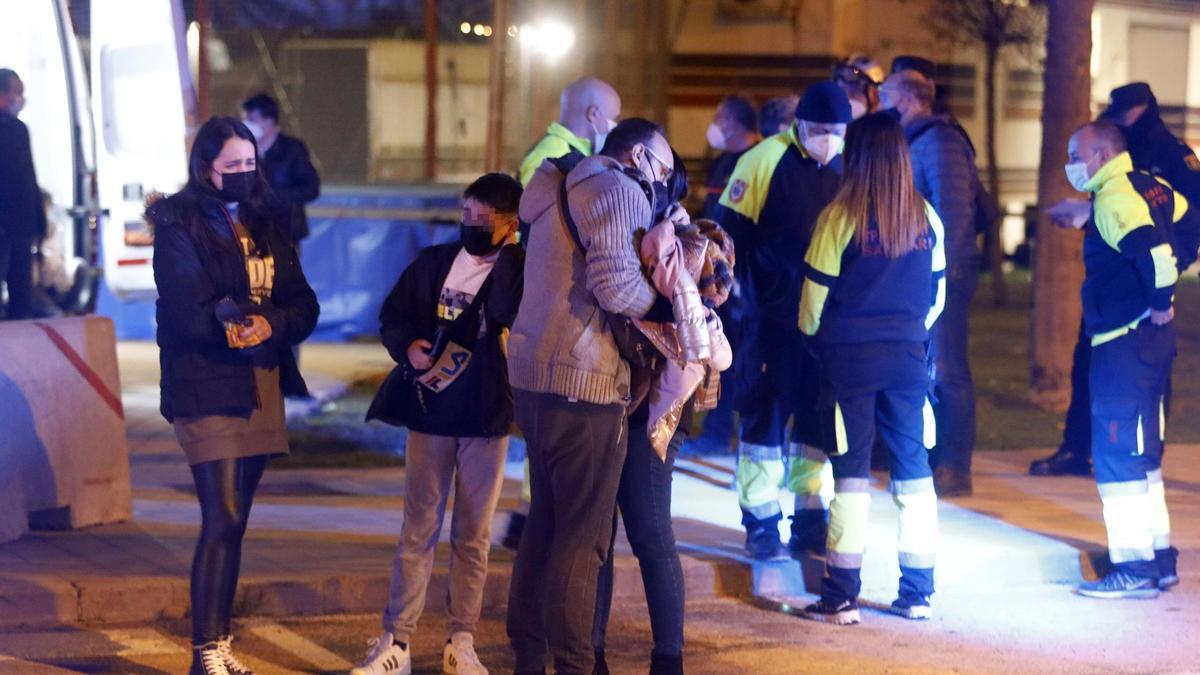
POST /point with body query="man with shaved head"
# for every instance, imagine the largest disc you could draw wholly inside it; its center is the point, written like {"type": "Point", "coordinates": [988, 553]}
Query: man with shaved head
{"type": "Point", "coordinates": [1134, 246]}
{"type": "Point", "coordinates": [589, 109]}
{"type": "Point", "coordinates": [572, 382]}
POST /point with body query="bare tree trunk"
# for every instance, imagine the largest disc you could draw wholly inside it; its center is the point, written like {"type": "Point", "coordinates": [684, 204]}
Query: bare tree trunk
{"type": "Point", "coordinates": [1057, 266]}
{"type": "Point", "coordinates": [494, 151]}
{"type": "Point", "coordinates": [658, 64]}
{"type": "Point", "coordinates": [995, 249]}
{"type": "Point", "coordinates": [431, 89]}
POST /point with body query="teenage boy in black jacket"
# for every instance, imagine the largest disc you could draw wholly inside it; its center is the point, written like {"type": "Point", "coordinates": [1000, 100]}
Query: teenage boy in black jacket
{"type": "Point", "coordinates": [446, 323]}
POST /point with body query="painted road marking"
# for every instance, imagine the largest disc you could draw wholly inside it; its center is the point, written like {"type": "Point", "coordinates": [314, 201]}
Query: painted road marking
{"type": "Point", "coordinates": [11, 666]}
{"type": "Point", "coordinates": [300, 647]}
{"type": "Point", "coordinates": [86, 644]}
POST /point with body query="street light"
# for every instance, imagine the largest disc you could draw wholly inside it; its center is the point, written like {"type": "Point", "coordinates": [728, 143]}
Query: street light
{"type": "Point", "coordinates": [549, 37]}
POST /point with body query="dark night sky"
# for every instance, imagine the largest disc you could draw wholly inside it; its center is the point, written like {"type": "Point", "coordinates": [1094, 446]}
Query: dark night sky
{"type": "Point", "coordinates": [325, 17]}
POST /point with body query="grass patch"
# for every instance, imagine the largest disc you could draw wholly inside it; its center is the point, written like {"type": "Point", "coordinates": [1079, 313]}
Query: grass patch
{"type": "Point", "coordinates": [999, 352]}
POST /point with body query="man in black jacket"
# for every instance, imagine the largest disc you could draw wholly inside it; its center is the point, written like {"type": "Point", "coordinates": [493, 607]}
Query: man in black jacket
{"type": "Point", "coordinates": [22, 217]}
{"type": "Point", "coordinates": [285, 163]}
{"type": "Point", "coordinates": [446, 324]}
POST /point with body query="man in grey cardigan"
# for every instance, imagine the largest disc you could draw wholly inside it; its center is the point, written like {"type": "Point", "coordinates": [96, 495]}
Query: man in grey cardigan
{"type": "Point", "coordinates": [944, 171]}
{"type": "Point", "coordinates": [571, 386]}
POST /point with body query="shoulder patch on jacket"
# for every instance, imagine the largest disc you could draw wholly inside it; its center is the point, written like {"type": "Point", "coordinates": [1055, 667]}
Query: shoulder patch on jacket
{"type": "Point", "coordinates": [737, 190]}
{"type": "Point", "coordinates": [751, 179]}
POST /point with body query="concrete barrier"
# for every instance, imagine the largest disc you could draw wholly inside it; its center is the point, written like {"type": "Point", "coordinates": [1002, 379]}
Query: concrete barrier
{"type": "Point", "coordinates": [64, 458]}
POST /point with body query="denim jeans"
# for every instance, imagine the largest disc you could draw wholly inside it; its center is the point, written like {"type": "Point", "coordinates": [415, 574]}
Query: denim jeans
{"type": "Point", "coordinates": [644, 497]}
{"type": "Point", "coordinates": [955, 390]}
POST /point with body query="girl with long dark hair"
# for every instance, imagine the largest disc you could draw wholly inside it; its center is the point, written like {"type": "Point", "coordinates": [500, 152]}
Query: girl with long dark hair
{"type": "Point", "coordinates": [232, 303]}
{"type": "Point", "coordinates": [874, 285]}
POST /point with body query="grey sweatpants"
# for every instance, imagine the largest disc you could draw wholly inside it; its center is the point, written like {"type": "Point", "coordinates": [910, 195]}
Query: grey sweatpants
{"type": "Point", "coordinates": [475, 467]}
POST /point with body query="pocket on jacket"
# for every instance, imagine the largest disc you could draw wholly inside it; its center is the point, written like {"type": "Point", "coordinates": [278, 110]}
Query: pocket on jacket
{"type": "Point", "coordinates": [587, 337]}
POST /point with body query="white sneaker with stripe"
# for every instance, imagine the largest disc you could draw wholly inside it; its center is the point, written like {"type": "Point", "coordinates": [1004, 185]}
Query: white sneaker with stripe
{"type": "Point", "coordinates": [385, 658]}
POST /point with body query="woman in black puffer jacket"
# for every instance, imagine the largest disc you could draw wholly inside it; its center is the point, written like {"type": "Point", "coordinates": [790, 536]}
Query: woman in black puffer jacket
{"type": "Point", "coordinates": [232, 303]}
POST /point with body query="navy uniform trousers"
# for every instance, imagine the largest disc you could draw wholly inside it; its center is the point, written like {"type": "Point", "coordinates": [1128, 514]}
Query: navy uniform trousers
{"type": "Point", "coordinates": [881, 388]}
{"type": "Point", "coordinates": [1128, 381]}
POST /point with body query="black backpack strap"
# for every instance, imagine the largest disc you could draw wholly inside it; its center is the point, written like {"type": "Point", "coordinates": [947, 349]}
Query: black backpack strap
{"type": "Point", "coordinates": [565, 209]}
{"type": "Point", "coordinates": [567, 162]}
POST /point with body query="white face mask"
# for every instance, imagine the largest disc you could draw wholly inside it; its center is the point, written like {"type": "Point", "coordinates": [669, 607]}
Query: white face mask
{"type": "Point", "coordinates": [824, 147]}
{"type": "Point", "coordinates": [715, 137]}
{"type": "Point", "coordinates": [601, 136]}
{"type": "Point", "coordinates": [1077, 174]}
{"type": "Point", "coordinates": [255, 129]}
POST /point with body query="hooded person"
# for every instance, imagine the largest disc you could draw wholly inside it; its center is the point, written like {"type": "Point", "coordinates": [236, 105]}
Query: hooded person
{"type": "Point", "coordinates": [769, 209]}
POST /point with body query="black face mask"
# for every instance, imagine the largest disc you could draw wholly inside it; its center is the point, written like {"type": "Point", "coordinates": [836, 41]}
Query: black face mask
{"type": "Point", "coordinates": [657, 193]}
{"type": "Point", "coordinates": [237, 187]}
{"type": "Point", "coordinates": [661, 201]}
{"type": "Point", "coordinates": [476, 240]}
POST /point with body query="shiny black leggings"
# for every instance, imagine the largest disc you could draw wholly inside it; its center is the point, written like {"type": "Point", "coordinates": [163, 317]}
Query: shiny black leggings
{"type": "Point", "coordinates": [226, 490]}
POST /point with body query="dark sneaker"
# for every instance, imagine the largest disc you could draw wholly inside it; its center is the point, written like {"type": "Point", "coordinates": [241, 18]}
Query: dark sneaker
{"type": "Point", "coordinates": [512, 536]}
{"type": "Point", "coordinates": [912, 609]}
{"type": "Point", "coordinates": [1062, 463]}
{"type": "Point", "coordinates": [1165, 559]}
{"type": "Point", "coordinates": [810, 529]}
{"type": "Point", "coordinates": [951, 483]}
{"type": "Point", "coordinates": [844, 613]}
{"type": "Point", "coordinates": [763, 542]}
{"type": "Point", "coordinates": [1118, 586]}
{"type": "Point", "coordinates": [666, 665]}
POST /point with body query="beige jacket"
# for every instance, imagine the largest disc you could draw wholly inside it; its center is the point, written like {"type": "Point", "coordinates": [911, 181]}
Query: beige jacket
{"type": "Point", "coordinates": [561, 343]}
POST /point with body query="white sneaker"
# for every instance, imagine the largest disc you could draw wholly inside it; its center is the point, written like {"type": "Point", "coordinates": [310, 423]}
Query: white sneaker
{"type": "Point", "coordinates": [232, 664]}
{"type": "Point", "coordinates": [459, 657]}
{"type": "Point", "coordinates": [385, 658]}
{"type": "Point", "coordinates": [208, 661]}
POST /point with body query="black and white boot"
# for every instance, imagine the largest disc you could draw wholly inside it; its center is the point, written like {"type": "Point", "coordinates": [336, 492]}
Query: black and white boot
{"type": "Point", "coordinates": [232, 664]}
{"type": "Point", "coordinates": [206, 660]}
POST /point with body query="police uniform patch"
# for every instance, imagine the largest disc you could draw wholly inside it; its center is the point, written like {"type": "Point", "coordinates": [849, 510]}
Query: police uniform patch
{"type": "Point", "coordinates": [739, 190]}
{"type": "Point", "coordinates": [1192, 162]}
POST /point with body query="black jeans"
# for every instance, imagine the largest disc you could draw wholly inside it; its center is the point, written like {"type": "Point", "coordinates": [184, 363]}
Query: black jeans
{"type": "Point", "coordinates": [645, 500]}
{"type": "Point", "coordinates": [16, 271]}
{"type": "Point", "coordinates": [576, 451]}
{"type": "Point", "coordinates": [955, 408]}
{"type": "Point", "coordinates": [226, 490]}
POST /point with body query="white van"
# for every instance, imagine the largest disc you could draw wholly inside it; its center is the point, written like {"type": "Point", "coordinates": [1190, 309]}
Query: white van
{"type": "Point", "coordinates": [98, 157]}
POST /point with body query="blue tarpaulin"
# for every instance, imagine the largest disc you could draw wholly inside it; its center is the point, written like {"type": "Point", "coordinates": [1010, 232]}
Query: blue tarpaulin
{"type": "Point", "coordinates": [361, 240]}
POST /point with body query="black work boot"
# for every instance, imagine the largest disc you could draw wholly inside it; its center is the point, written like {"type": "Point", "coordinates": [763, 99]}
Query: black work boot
{"type": "Point", "coordinates": [1165, 559]}
{"type": "Point", "coordinates": [949, 482]}
{"type": "Point", "coordinates": [666, 665]}
{"type": "Point", "coordinates": [810, 529]}
{"type": "Point", "coordinates": [1064, 462]}
{"type": "Point", "coordinates": [762, 537]}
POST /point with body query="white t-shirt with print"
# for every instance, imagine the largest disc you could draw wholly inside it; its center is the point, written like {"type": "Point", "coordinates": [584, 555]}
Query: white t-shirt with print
{"type": "Point", "coordinates": [466, 277]}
